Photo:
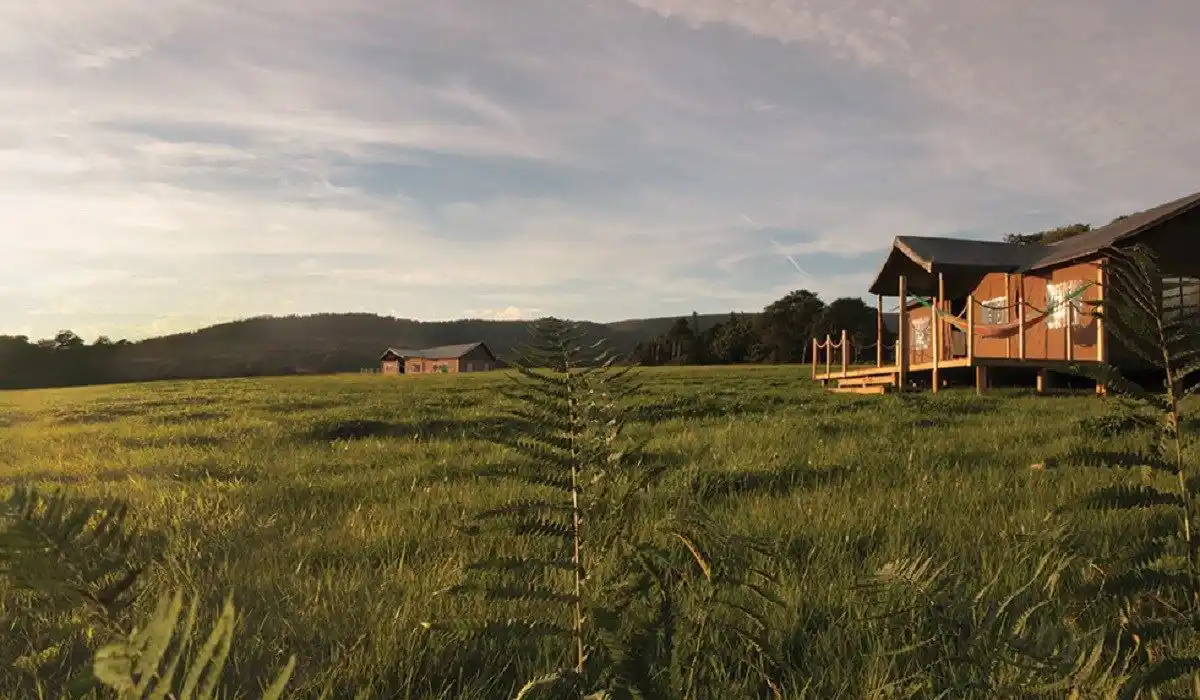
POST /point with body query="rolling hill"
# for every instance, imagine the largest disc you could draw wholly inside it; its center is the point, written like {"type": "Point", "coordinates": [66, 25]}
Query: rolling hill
{"type": "Point", "coordinates": [347, 342]}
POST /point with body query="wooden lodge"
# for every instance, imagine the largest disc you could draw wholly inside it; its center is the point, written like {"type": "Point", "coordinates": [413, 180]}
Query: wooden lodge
{"type": "Point", "coordinates": [467, 357]}
{"type": "Point", "coordinates": [969, 309]}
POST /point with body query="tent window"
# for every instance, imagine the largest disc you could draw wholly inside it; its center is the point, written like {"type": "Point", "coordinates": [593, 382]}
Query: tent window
{"type": "Point", "coordinates": [994, 311]}
{"type": "Point", "coordinates": [920, 334]}
{"type": "Point", "coordinates": [1181, 297]}
{"type": "Point", "coordinates": [1057, 304]}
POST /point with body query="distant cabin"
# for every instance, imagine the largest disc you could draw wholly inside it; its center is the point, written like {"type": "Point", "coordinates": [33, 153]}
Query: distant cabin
{"type": "Point", "coordinates": [467, 357]}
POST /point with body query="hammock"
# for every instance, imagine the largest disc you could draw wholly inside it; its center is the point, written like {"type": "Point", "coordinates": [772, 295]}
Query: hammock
{"type": "Point", "coordinates": [994, 330]}
{"type": "Point", "coordinates": [1009, 328]}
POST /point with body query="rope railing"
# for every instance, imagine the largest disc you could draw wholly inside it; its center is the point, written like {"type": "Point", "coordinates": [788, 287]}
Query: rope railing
{"type": "Point", "coordinates": [829, 345]}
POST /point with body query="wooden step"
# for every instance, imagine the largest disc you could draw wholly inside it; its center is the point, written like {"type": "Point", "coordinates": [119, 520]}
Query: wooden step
{"type": "Point", "coordinates": [879, 379]}
{"type": "Point", "coordinates": [876, 389]}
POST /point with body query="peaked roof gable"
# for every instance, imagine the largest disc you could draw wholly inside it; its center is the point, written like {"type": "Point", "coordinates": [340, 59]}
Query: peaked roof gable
{"type": "Point", "coordinates": [450, 352]}
{"type": "Point", "coordinates": [963, 257]}
{"type": "Point", "coordinates": [1091, 242]}
{"type": "Point", "coordinates": [441, 352]}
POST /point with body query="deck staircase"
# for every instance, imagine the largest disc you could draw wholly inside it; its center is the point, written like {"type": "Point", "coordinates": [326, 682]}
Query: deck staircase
{"type": "Point", "coordinates": [867, 384]}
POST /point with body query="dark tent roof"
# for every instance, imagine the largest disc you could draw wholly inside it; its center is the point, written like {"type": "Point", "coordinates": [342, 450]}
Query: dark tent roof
{"type": "Point", "coordinates": [962, 262]}
{"type": "Point", "coordinates": [1085, 244]}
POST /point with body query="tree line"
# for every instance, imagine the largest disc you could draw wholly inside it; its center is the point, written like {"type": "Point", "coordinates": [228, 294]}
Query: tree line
{"type": "Point", "coordinates": [328, 343]}
{"type": "Point", "coordinates": [782, 333]}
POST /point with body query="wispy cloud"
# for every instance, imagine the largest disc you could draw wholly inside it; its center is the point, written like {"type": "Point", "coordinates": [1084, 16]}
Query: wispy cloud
{"type": "Point", "coordinates": [534, 156]}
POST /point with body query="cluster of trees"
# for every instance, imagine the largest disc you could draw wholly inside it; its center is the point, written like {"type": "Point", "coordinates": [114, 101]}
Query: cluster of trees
{"type": "Point", "coordinates": [782, 333]}
{"type": "Point", "coordinates": [1054, 235]}
{"type": "Point", "coordinates": [325, 343]}
{"type": "Point", "coordinates": [62, 360]}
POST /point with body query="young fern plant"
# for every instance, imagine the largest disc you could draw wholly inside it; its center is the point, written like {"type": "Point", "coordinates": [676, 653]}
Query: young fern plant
{"type": "Point", "coordinates": [76, 559]}
{"type": "Point", "coordinates": [71, 573]}
{"type": "Point", "coordinates": [953, 637]}
{"type": "Point", "coordinates": [1154, 578]}
{"type": "Point", "coordinates": [591, 559]}
{"type": "Point", "coordinates": [566, 406]}
{"type": "Point", "coordinates": [163, 661]}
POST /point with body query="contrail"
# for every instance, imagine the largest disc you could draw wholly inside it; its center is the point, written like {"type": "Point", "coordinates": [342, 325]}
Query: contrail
{"type": "Point", "coordinates": [782, 252]}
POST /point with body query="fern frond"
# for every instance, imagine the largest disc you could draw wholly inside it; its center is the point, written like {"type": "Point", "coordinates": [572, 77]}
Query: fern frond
{"type": "Point", "coordinates": [70, 549]}
{"type": "Point", "coordinates": [146, 665]}
{"type": "Point", "coordinates": [1125, 497]}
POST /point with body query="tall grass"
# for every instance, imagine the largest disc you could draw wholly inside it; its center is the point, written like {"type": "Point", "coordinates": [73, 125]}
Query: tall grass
{"type": "Point", "coordinates": [329, 507]}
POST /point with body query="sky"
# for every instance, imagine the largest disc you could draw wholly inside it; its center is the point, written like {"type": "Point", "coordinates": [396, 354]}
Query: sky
{"type": "Point", "coordinates": [171, 164]}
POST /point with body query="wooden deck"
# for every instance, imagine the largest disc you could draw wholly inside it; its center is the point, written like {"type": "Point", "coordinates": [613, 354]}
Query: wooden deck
{"type": "Point", "coordinates": [886, 378]}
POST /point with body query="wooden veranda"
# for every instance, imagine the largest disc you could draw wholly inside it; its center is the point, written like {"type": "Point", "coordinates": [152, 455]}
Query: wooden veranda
{"type": "Point", "coordinates": [959, 344]}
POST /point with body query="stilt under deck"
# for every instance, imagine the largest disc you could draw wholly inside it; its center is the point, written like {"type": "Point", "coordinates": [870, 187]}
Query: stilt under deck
{"type": "Point", "coordinates": [885, 379]}
{"type": "Point", "coordinates": [900, 374]}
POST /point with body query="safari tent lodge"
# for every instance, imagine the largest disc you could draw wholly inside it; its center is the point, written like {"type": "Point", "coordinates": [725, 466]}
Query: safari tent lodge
{"type": "Point", "coordinates": [973, 307]}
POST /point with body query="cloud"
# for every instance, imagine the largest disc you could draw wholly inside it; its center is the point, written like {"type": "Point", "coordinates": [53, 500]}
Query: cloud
{"type": "Point", "coordinates": [508, 313]}
{"type": "Point", "coordinates": [162, 166]}
{"type": "Point", "coordinates": [1030, 94]}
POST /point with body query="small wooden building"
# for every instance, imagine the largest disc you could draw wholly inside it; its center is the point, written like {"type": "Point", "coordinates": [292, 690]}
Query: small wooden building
{"type": "Point", "coordinates": [967, 306]}
{"type": "Point", "coordinates": [467, 357]}
{"type": "Point", "coordinates": [392, 361]}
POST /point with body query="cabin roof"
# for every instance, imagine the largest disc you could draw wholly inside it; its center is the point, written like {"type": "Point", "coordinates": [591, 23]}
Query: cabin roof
{"type": "Point", "coordinates": [441, 352]}
{"type": "Point", "coordinates": [449, 352]}
{"type": "Point", "coordinates": [400, 352]}
{"type": "Point", "coordinates": [962, 261]}
{"type": "Point", "coordinates": [1091, 242]}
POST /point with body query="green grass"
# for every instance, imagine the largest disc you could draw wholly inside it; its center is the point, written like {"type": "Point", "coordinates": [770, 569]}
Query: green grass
{"type": "Point", "coordinates": [327, 504]}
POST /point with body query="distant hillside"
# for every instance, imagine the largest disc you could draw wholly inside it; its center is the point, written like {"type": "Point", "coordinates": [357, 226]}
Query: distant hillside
{"type": "Point", "coordinates": [323, 343]}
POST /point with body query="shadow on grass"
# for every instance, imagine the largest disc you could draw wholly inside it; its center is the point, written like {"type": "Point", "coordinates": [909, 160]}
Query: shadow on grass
{"type": "Point", "coordinates": [1091, 456]}
{"type": "Point", "coordinates": [10, 420]}
{"type": "Point", "coordinates": [177, 401]}
{"type": "Point", "coordinates": [96, 414]}
{"type": "Point", "coordinates": [718, 485]}
{"type": "Point", "coordinates": [498, 428]}
{"type": "Point", "coordinates": [145, 443]}
{"type": "Point", "coordinates": [668, 462]}
{"type": "Point", "coordinates": [186, 418]}
{"type": "Point", "coordinates": [706, 407]}
{"type": "Point", "coordinates": [928, 404]}
{"type": "Point", "coordinates": [286, 407]}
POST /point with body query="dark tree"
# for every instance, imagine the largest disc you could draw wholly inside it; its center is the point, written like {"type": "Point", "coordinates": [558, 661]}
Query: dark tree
{"type": "Point", "coordinates": [1048, 236]}
{"type": "Point", "coordinates": [787, 326]}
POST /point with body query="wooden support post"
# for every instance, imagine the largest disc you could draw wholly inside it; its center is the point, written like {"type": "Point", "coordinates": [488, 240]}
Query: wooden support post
{"type": "Point", "coordinates": [879, 330]}
{"type": "Point", "coordinates": [1021, 317]}
{"type": "Point", "coordinates": [1069, 333]}
{"type": "Point", "coordinates": [845, 352]}
{"type": "Point", "coordinates": [1008, 295]}
{"type": "Point", "coordinates": [902, 338]}
{"type": "Point", "coordinates": [1101, 346]}
{"type": "Point", "coordinates": [814, 358]}
{"type": "Point", "coordinates": [981, 379]}
{"type": "Point", "coordinates": [828, 353]}
{"type": "Point", "coordinates": [1043, 380]}
{"type": "Point", "coordinates": [936, 327]}
{"type": "Point", "coordinates": [970, 328]}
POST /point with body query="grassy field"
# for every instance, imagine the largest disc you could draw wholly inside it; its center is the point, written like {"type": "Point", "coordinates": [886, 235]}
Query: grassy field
{"type": "Point", "coordinates": [327, 504]}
